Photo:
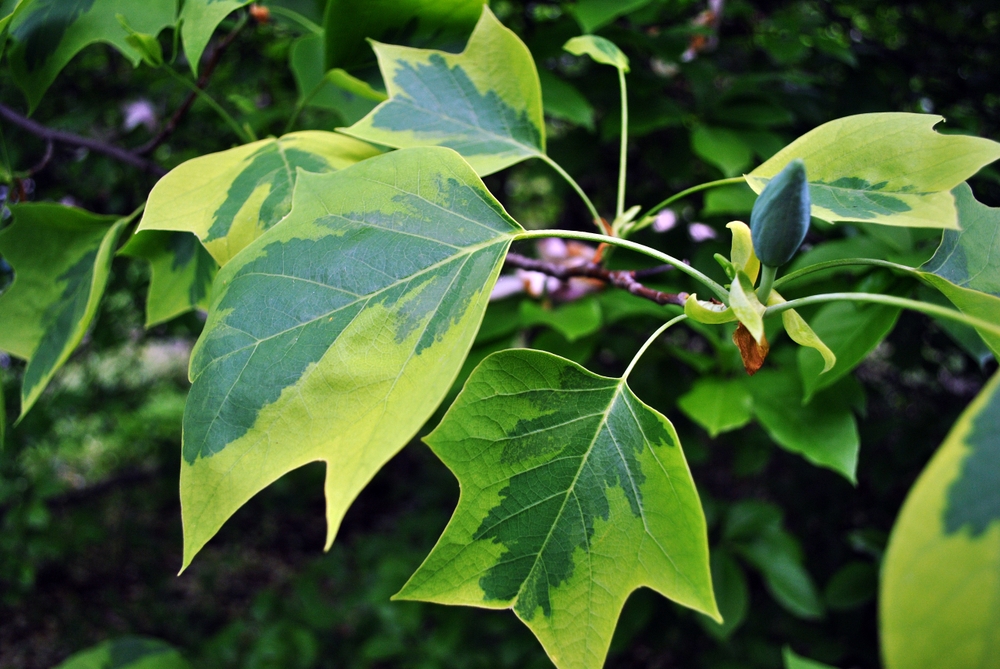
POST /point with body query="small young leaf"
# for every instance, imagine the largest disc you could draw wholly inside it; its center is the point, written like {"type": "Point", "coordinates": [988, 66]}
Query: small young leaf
{"type": "Point", "coordinates": [601, 50]}
{"type": "Point", "coordinates": [230, 198]}
{"type": "Point", "coordinates": [130, 652]}
{"type": "Point", "coordinates": [780, 217]}
{"type": "Point", "coordinates": [778, 558]}
{"type": "Point", "coordinates": [334, 336]}
{"type": "Point", "coordinates": [824, 432]}
{"type": "Point", "coordinates": [147, 46]}
{"type": "Point", "coordinates": [966, 267]}
{"type": "Point", "coordinates": [181, 273]}
{"type": "Point", "coordinates": [485, 103]}
{"type": "Point", "coordinates": [800, 332]}
{"type": "Point", "coordinates": [62, 259]}
{"type": "Point", "coordinates": [731, 592]}
{"type": "Point", "coordinates": [793, 661]}
{"type": "Point", "coordinates": [742, 255]}
{"type": "Point", "coordinates": [744, 303]}
{"type": "Point", "coordinates": [199, 19]}
{"type": "Point", "coordinates": [888, 168]}
{"type": "Point", "coordinates": [574, 493]}
{"type": "Point", "coordinates": [852, 586]}
{"type": "Point", "coordinates": [939, 604]}
{"type": "Point", "coordinates": [718, 405]}
{"type": "Point", "coordinates": [46, 34]}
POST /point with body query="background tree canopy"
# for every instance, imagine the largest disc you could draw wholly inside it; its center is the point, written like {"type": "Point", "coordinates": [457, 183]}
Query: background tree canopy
{"type": "Point", "coordinates": [90, 533]}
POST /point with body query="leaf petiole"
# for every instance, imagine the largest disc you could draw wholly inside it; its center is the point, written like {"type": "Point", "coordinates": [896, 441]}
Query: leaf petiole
{"type": "Point", "coordinates": [242, 133]}
{"type": "Point", "coordinates": [791, 276]}
{"type": "Point", "coordinates": [719, 291]}
{"type": "Point", "coordinates": [623, 151]}
{"type": "Point", "coordinates": [572, 182]}
{"type": "Point", "coordinates": [660, 330]}
{"type": "Point", "coordinates": [647, 218]}
{"type": "Point", "coordinates": [891, 300]}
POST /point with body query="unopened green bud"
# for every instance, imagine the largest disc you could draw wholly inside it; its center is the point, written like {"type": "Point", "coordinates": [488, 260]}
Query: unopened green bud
{"type": "Point", "coordinates": [780, 217]}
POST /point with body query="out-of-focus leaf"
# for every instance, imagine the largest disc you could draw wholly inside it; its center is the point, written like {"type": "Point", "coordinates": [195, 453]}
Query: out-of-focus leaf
{"type": "Point", "coordinates": [853, 585]}
{"type": "Point", "coordinates": [130, 652]}
{"type": "Point", "coordinates": [199, 19]}
{"type": "Point", "coordinates": [595, 14]}
{"type": "Point", "coordinates": [574, 493]}
{"type": "Point", "coordinates": [305, 58]}
{"type": "Point", "coordinates": [731, 199]}
{"type": "Point", "coordinates": [939, 604]}
{"type": "Point", "coordinates": [491, 115]}
{"type": "Point", "coordinates": [573, 320]}
{"type": "Point", "coordinates": [230, 198]}
{"type": "Point", "coordinates": [722, 147]}
{"type": "Point", "coordinates": [793, 661]}
{"type": "Point", "coordinates": [824, 432]}
{"type": "Point", "coordinates": [966, 266]}
{"type": "Point", "coordinates": [851, 331]}
{"type": "Point", "coordinates": [718, 405]}
{"type": "Point", "coordinates": [62, 259]}
{"type": "Point", "coordinates": [599, 49]}
{"type": "Point", "coordinates": [181, 273]}
{"type": "Point", "coordinates": [563, 101]}
{"type": "Point", "coordinates": [731, 594]}
{"type": "Point", "coordinates": [888, 168]}
{"type": "Point", "coordinates": [323, 344]}
{"type": "Point", "coordinates": [416, 23]}
{"type": "Point", "coordinates": [44, 35]}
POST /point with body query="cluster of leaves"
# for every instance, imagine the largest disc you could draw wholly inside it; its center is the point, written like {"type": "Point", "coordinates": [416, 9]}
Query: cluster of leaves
{"type": "Point", "coordinates": [353, 283]}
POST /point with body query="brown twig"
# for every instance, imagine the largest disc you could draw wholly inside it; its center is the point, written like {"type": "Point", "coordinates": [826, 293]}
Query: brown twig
{"type": "Point", "coordinates": [171, 125]}
{"type": "Point", "coordinates": [623, 279]}
{"type": "Point", "coordinates": [96, 145]}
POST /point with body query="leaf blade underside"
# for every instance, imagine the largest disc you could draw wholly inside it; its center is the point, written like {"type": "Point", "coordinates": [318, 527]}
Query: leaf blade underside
{"type": "Point", "coordinates": [887, 168]}
{"type": "Point", "coordinates": [574, 493]}
{"type": "Point", "coordinates": [335, 335]}
{"type": "Point", "coordinates": [485, 103]}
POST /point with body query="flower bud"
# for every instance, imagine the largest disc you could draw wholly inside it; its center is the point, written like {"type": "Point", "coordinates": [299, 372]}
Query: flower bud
{"type": "Point", "coordinates": [780, 217]}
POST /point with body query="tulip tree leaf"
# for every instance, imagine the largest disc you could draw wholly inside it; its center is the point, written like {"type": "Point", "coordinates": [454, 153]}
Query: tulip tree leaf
{"type": "Point", "coordinates": [574, 493]}
{"type": "Point", "coordinates": [718, 405]}
{"type": "Point", "coordinates": [45, 35]}
{"type": "Point", "coordinates": [888, 168]}
{"type": "Point", "coordinates": [966, 267]}
{"type": "Point", "coordinates": [61, 258]}
{"type": "Point", "coordinates": [182, 273]}
{"type": "Point", "coordinates": [486, 102]}
{"type": "Point", "coordinates": [130, 652]}
{"type": "Point", "coordinates": [318, 89]}
{"type": "Point", "coordinates": [230, 198]}
{"type": "Point", "coordinates": [419, 23]}
{"type": "Point", "coordinates": [334, 336]}
{"type": "Point", "coordinates": [595, 14]}
{"type": "Point", "coordinates": [940, 593]}
{"type": "Point", "coordinates": [199, 19]}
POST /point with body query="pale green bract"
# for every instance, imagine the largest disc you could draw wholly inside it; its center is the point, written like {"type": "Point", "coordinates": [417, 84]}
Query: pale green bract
{"type": "Point", "coordinates": [335, 335]}
{"type": "Point", "coordinates": [485, 103]}
{"type": "Point", "coordinates": [181, 273]}
{"type": "Point", "coordinates": [62, 259]}
{"type": "Point", "coordinates": [574, 494]}
{"type": "Point", "coordinates": [888, 168]}
{"type": "Point", "coordinates": [198, 19]}
{"type": "Point", "coordinates": [44, 35]}
{"type": "Point", "coordinates": [966, 267]}
{"type": "Point", "coordinates": [228, 199]}
{"type": "Point", "coordinates": [939, 604]}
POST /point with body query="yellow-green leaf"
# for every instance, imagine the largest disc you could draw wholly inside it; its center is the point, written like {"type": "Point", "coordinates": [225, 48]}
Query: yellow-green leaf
{"type": "Point", "coordinates": [485, 103]}
{"type": "Point", "coordinates": [888, 168]}
{"type": "Point", "coordinates": [940, 595]}
{"type": "Point", "coordinates": [800, 332]}
{"type": "Point", "coordinates": [62, 259]}
{"type": "Point", "coordinates": [742, 255]}
{"type": "Point", "coordinates": [335, 335]}
{"type": "Point", "coordinates": [230, 198]}
{"type": "Point", "coordinates": [199, 19]}
{"type": "Point", "coordinates": [573, 494]}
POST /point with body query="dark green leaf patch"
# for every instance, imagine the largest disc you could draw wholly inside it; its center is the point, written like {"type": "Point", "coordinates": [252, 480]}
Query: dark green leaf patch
{"type": "Point", "coordinates": [974, 497]}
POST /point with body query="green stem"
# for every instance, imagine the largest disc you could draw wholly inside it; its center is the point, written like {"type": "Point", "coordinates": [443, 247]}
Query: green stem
{"type": "Point", "coordinates": [660, 330]}
{"type": "Point", "coordinates": [623, 152]}
{"type": "Point", "coordinates": [766, 282]}
{"type": "Point", "coordinates": [572, 182]}
{"type": "Point", "coordinates": [647, 218]}
{"type": "Point", "coordinates": [295, 16]}
{"type": "Point", "coordinates": [244, 136]}
{"type": "Point", "coordinates": [719, 291]}
{"type": "Point", "coordinates": [300, 105]}
{"type": "Point", "coordinates": [791, 276]}
{"type": "Point", "coordinates": [891, 300]}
